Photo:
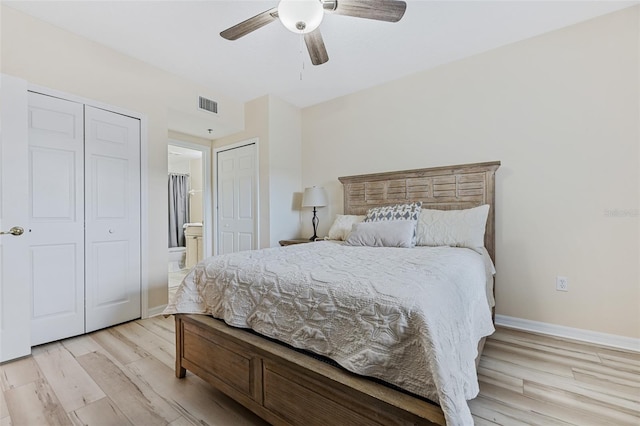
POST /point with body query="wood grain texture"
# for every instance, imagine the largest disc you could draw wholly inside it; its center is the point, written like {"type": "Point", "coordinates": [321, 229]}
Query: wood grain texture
{"type": "Point", "coordinates": [315, 47]}
{"type": "Point", "coordinates": [381, 10]}
{"type": "Point", "coordinates": [35, 403]}
{"type": "Point", "coordinates": [4, 410]}
{"type": "Point", "coordinates": [193, 398]}
{"type": "Point", "coordinates": [253, 370]}
{"type": "Point", "coordinates": [525, 374]}
{"type": "Point", "coordinates": [120, 348]}
{"type": "Point", "coordinates": [138, 403]}
{"type": "Point", "coordinates": [18, 373]}
{"type": "Point", "coordinates": [103, 412]}
{"type": "Point", "coordinates": [67, 378]}
{"type": "Point", "coordinates": [440, 188]}
{"type": "Point", "coordinates": [525, 379]}
{"type": "Point", "coordinates": [247, 26]}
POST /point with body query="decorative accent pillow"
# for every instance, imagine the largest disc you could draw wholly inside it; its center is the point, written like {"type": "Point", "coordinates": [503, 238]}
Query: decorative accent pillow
{"type": "Point", "coordinates": [396, 212]}
{"type": "Point", "coordinates": [454, 228]}
{"type": "Point", "coordinates": [341, 227]}
{"type": "Point", "coordinates": [389, 233]}
{"type": "Point", "coordinates": [409, 211]}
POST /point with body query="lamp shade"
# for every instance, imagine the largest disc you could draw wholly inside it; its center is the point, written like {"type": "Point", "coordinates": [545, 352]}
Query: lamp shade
{"type": "Point", "coordinates": [314, 197]}
{"type": "Point", "coordinates": [300, 16]}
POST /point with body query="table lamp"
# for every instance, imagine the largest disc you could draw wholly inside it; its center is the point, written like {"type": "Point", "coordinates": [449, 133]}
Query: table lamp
{"type": "Point", "coordinates": [314, 197]}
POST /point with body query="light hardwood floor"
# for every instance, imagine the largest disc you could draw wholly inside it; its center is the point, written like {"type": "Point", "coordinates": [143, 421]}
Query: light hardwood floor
{"type": "Point", "coordinates": [124, 376]}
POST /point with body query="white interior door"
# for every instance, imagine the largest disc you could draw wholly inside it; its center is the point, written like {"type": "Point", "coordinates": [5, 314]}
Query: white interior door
{"type": "Point", "coordinates": [56, 218]}
{"type": "Point", "coordinates": [237, 199]}
{"type": "Point", "coordinates": [112, 167]}
{"type": "Point", "coordinates": [15, 312]}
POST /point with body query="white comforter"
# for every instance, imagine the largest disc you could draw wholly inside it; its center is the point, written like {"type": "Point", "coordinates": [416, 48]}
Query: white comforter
{"type": "Point", "coordinates": [411, 317]}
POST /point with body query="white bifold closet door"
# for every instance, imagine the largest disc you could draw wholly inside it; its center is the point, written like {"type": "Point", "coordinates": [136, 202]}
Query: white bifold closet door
{"type": "Point", "coordinates": [56, 218]}
{"type": "Point", "coordinates": [84, 218]}
{"type": "Point", "coordinates": [112, 215]}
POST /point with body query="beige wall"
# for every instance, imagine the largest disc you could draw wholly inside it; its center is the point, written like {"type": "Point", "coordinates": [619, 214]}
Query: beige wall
{"type": "Point", "coordinates": [256, 126]}
{"type": "Point", "coordinates": [285, 169]}
{"type": "Point", "coordinates": [561, 111]}
{"type": "Point", "coordinates": [195, 198]}
{"type": "Point", "coordinates": [277, 126]}
{"type": "Point", "coordinates": [189, 138]}
{"type": "Point", "coordinates": [48, 56]}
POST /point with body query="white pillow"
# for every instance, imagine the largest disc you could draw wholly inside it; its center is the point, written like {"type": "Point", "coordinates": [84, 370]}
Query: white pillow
{"type": "Point", "coordinates": [388, 233]}
{"type": "Point", "coordinates": [408, 211]}
{"type": "Point", "coordinates": [455, 228]}
{"type": "Point", "coordinates": [342, 225]}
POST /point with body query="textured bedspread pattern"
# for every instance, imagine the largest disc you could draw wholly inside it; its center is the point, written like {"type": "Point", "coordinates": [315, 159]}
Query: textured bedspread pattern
{"type": "Point", "coordinates": [411, 317]}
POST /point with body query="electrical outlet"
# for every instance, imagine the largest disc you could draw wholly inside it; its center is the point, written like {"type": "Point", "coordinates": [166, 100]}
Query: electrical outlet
{"type": "Point", "coordinates": [562, 283]}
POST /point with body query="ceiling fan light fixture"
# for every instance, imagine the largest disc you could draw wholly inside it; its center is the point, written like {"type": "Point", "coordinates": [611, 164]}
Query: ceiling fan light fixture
{"type": "Point", "coordinates": [300, 16]}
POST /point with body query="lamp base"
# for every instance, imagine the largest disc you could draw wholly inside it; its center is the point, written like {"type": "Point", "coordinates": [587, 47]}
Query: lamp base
{"type": "Point", "coordinates": [314, 221]}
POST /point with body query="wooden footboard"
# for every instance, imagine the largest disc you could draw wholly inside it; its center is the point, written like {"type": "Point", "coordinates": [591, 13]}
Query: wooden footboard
{"type": "Point", "coordinates": [286, 387]}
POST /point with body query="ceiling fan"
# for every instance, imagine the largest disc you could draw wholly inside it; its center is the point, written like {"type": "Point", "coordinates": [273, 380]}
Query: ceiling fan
{"type": "Point", "coordinates": [305, 16]}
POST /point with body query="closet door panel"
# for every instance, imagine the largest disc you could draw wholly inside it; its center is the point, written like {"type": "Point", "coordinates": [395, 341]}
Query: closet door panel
{"type": "Point", "coordinates": [111, 259]}
{"type": "Point", "coordinates": [112, 162]}
{"type": "Point", "coordinates": [50, 264]}
{"type": "Point", "coordinates": [56, 217]}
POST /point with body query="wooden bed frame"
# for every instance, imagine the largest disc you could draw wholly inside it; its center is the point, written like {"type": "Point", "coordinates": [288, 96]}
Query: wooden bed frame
{"type": "Point", "coordinates": [287, 387]}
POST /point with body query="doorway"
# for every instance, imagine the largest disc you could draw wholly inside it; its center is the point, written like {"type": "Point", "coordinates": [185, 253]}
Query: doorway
{"type": "Point", "coordinates": [189, 212]}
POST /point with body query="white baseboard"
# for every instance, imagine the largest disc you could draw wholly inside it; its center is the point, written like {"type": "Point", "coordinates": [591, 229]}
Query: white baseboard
{"type": "Point", "coordinates": [596, 337]}
{"type": "Point", "coordinates": [156, 310]}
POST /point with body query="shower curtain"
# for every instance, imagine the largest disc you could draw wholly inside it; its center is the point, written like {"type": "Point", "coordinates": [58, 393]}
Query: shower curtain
{"type": "Point", "coordinates": [178, 208]}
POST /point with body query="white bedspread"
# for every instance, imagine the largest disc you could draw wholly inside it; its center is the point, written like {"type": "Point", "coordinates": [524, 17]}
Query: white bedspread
{"type": "Point", "coordinates": [411, 317]}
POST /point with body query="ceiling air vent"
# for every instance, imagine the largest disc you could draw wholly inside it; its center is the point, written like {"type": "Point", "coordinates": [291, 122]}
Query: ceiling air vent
{"type": "Point", "coordinates": [208, 105]}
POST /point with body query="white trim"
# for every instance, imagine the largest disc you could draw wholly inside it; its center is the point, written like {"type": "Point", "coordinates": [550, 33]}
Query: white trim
{"type": "Point", "coordinates": [144, 216]}
{"type": "Point", "coordinates": [605, 339]}
{"type": "Point", "coordinates": [81, 100]}
{"type": "Point", "coordinates": [156, 310]}
{"type": "Point", "coordinates": [207, 218]}
{"type": "Point", "coordinates": [144, 179]}
{"type": "Point", "coordinates": [252, 141]}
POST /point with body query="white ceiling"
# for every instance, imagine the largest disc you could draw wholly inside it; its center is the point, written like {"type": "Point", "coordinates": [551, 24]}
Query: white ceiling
{"type": "Point", "coordinates": [183, 37]}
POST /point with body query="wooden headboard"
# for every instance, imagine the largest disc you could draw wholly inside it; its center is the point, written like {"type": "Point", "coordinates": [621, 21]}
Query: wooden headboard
{"type": "Point", "coordinates": [442, 188]}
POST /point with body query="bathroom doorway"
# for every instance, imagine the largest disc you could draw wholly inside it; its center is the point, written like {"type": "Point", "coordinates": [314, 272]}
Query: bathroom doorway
{"type": "Point", "coordinates": [189, 214]}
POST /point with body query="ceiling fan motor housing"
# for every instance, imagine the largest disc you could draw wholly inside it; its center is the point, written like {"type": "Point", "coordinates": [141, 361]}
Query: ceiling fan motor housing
{"type": "Point", "coordinates": [300, 16]}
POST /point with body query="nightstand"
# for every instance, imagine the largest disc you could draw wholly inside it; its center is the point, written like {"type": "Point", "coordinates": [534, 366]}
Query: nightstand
{"type": "Point", "coordinates": [295, 241]}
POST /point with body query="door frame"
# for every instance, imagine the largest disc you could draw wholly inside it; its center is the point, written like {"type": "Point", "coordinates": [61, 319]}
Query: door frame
{"type": "Point", "coordinates": [144, 180]}
{"type": "Point", "coordinates": [216, 151]}
{"type": "Point", "coordinates": [207, 220]}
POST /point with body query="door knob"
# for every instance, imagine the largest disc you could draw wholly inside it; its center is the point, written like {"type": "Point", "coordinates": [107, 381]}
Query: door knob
{"type": "Point", "coordinates": [16, 230]}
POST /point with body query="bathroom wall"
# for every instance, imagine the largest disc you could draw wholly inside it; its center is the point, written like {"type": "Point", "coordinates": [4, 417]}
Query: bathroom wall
{"type": "Point", "coordinates": [196, 186]}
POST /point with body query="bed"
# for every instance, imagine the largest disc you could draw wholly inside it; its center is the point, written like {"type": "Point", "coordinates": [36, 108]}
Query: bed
{"type": "Point", "coordinates": [269, 374]}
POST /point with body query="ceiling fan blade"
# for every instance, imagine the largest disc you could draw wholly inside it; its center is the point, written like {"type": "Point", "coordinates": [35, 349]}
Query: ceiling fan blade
{"type": "Point", "coordinates": [251, 24]}
{"type": "Point", "coordinates": [315, 46]}
{"type": "Point", "coordinates": [380, 10]}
